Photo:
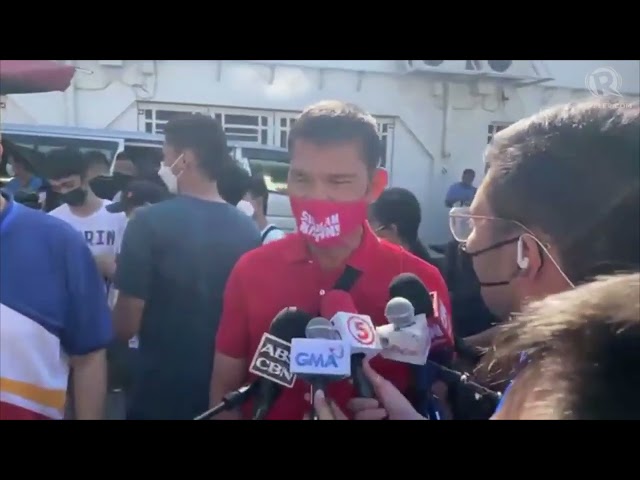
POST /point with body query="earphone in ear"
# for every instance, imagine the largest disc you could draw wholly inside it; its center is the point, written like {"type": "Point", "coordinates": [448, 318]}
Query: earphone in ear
{"type": "Point", "coordinates": [523, 262]}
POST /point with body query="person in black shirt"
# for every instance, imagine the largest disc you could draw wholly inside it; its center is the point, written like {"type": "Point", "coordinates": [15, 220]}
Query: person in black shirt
{"type": "Point", "coordinates": [174, 263]}
{"type": "Point", "coordinates": [396, 216]}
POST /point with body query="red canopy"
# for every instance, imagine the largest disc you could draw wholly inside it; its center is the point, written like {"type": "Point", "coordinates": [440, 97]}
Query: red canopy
{"type": "Point", "coordinates": [33, 76]}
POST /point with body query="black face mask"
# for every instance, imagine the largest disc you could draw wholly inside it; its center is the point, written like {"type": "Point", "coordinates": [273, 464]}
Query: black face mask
{"type": "Point", "coordinates": [107, 187]}
{"type": "Point", "coordinates": [488, 249]}
{"type": "Point", "coordinates": [75, 197]}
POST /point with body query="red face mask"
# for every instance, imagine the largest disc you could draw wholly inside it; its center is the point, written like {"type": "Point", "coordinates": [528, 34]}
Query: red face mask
{"type": "Point", "coordinates": [324, 222]}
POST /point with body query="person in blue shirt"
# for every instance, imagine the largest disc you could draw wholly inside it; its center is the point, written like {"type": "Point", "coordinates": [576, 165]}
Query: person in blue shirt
{"type": "Point", "coordinates": [53, 301]}
{"type": "Point", "coordinates": [24, 179]}
{"type": "Point", "coordinates": [461, 193]}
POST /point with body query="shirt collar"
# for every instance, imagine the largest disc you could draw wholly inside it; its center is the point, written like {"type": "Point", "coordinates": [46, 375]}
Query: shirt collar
{"type": "Point", "coordinates": [359, 258]}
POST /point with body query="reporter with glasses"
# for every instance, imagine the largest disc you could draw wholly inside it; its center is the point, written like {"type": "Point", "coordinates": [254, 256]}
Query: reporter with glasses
{"type": "Point", "coordinates": [558, 207]}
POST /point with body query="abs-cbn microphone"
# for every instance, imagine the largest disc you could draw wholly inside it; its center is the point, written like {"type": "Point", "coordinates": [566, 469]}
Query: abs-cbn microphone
{"type": "Point", "coordinates": [322, 357]}
{"type": "Point", "coordinates": [270, 363]}
{"type": "Point", "coordinates": [357, 331]}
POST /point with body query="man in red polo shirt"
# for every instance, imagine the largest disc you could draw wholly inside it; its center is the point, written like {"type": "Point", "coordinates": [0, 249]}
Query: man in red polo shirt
{"type": "Point", "coordinates": [335, 150]}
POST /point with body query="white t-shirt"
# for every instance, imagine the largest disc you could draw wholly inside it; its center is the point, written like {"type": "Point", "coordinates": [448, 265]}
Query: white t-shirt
{"type": "Point", "coordinates": [102, 230]}
{"type": "Point", "coordinates": [273, 235]}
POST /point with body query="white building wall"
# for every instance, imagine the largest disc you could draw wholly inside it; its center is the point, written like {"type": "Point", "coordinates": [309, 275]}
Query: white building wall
{"type": "Point", "coordinates": [113, 97]}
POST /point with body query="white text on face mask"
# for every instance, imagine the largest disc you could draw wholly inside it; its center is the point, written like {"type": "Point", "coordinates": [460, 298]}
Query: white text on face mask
{"type": "Point", "coordinates": [329, 228]}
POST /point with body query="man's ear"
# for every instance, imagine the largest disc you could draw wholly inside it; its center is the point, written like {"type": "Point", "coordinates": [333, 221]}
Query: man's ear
{"type": "Point", "coordinates": [531, 251]}
{"type": "Point", "coordinates": [379, 182]}
{"type": "Point", "coordinates": [188, 160]}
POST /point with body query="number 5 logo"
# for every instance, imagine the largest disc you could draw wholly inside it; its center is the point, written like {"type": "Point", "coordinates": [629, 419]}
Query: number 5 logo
{"type": "Point", "coordinates": [361, 331]}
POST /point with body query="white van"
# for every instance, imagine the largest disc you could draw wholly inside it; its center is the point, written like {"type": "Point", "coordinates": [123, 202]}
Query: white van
{"type": "Point", "coordinates": [272, 161]}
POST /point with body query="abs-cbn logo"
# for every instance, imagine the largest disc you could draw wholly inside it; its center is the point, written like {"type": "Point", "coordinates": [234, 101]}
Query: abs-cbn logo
{"type": "Point", "coordinates": [271, 361]}
{"type": "Point", "coordinates": [329, 228]}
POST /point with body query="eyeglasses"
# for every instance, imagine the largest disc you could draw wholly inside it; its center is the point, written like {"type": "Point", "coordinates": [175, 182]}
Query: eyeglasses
{"type": "Point", "coordinates": [462, 222]}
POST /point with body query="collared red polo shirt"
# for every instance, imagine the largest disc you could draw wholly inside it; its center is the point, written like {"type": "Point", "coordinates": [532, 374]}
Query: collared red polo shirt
{"type": "Point", "coordinates": [283, 274]}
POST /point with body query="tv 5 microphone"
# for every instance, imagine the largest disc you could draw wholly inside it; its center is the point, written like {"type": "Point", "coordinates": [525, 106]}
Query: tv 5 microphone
{"type": "Point", "coordinates": [322, 357]}
{"type": "Point", "coordinates": [270, 364]}
{"type": "Point", "coordinates": [357, 331]}
{"type": "Point", "coordinates": [406, 338]}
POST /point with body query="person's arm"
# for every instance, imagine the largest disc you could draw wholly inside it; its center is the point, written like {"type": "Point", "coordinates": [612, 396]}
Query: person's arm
{"type": "Point", "coordinates": [87, 330]}
{"type": "Point", "coordinates": [230, 362]}
{"type": "Point", "coordinates": [106, 265]}
{"type": "Point", "coordinates": [483, 339]}
{"type": "Point", "coordinates": [107, 262]}
{"type": "Point", "coordinates": [133, 277]}
{"type": "Point", "coordinates": [452, 196]}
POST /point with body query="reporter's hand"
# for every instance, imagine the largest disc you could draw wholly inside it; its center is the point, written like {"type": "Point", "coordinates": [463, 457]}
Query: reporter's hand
{"type": "Point", "coordinates": [325, 409]}
{"type": "Point", "coordinates": [389, 402]}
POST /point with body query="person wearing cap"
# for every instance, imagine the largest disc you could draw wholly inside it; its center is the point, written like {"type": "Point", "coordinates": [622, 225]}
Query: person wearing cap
{"type": "Point", "coordinates": [137, 194]}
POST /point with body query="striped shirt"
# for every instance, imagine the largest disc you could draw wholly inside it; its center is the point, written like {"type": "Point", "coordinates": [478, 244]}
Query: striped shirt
{"type": "Point", "coordinates": [52, 304]}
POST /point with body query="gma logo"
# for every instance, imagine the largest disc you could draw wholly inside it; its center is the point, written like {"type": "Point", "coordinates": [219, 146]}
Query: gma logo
{"type": "Point", "coordinates": [330, 360]}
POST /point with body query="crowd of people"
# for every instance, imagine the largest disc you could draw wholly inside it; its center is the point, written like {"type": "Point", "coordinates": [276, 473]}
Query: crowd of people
{"type": "Point", "coordinates": [177, 273]}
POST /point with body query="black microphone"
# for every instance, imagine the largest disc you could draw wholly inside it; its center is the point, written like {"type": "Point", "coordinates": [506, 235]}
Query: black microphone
{"type": "Point", "coordinates": [410, 287]}
{"type": "Point", "coordinates": [270, 363]}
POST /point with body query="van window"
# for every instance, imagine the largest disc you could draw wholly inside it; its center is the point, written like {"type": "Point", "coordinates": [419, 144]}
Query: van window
{"type": "Point", "coordinates": [44, 144]}
{"type": "Point", "coordinates": [274, 164]}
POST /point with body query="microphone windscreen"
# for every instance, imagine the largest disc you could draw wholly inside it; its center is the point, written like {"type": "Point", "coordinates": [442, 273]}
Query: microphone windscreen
{"type": "Point", "coordinates": [289, 323]}
{"type": "Point", "coordinates": [409, 286]}
{"type": "Point", "coordinates": [335, 301]}
{"type": "Point", "coordinates": [321, 328]}
{"type": "Point", "coordinates": [399, 311]}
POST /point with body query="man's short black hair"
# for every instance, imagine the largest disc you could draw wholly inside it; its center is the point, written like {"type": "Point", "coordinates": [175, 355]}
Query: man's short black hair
{"type": "Point", "coordinates": [573, 173]}
{"type": "Point", "coordinates": [330, 122]}
{"type": "Point", "coordinates": [468, 171]}
{"type": "Point", "coordinates": [63, 162]}
{"type": "Point", "coordinates": [204, 135]}
{"type": "Point", "coordinates": [233, 184]}
{"type": "Point", "coordinates": [96, 157]}
{"type": "Point", "coordinates": [258, 189]}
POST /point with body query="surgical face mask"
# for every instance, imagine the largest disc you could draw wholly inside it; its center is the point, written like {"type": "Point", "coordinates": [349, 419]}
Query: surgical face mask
{"type": "Point", "coordinates": [246, 208]}
{"type": "Point", "coordinates": [10, 170]}
{"type": "Point", "coordinates": [168, 177]}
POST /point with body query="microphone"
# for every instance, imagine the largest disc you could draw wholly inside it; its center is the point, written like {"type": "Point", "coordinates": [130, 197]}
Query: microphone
{"type": "Point", "coordinates": [429, 304]}
{"type": "Point", "coordinates": [357, 331]}
{"type": "Point", "coordinates": [411, 288]}
{"type": "Point", "coordinates": [406, 338]}
{"type": "Point", "coordinates": [270, 363]}
{"type": "Point", "coordinates": [322, 357]}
